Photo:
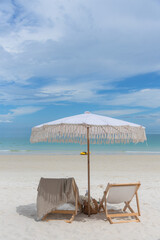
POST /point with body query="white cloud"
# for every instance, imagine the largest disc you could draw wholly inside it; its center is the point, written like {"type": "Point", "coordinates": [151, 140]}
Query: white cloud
{"type": "Point", "coordinates": [24, 110]}
{"type": "Point", "coordinates": [112, 39]}
{"type": "Point", "coordinates": [18, 112]}
{"type": "Point", "coordinates": [119, 112]}
{"type": "Point", "coordinates": [74, 43]}
{"type": "Point", "coordinates": [75, 92]}
{"type": "Point", "coordinates": [45, 92]}
{"type": "Point", "coordinates": [146, 98]}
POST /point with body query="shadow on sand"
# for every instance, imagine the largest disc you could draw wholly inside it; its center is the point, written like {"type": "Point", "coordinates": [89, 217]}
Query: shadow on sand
{"type": "Point", "coordinates": [81, 217]}
{"type": "Point", "coordinates": [29, 210]}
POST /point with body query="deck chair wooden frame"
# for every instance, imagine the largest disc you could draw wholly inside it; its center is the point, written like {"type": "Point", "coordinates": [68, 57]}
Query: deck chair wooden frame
{"type": "Point", "coordinates": [70, 212]}
{"type": "Point", "coordinates": [132, 213]}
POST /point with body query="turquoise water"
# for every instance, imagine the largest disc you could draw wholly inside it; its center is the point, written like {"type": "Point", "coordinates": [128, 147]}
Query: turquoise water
{"type": "Point", "coordinates": [23, 146]}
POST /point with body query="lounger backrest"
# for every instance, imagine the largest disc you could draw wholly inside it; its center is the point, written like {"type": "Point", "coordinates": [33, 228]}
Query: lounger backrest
{"type": "Point", "coordinates": [119, 194]}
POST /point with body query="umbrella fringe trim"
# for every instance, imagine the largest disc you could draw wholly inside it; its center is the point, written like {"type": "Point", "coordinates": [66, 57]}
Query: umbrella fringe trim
{"type": "Point", "coordinates": [97, 134]}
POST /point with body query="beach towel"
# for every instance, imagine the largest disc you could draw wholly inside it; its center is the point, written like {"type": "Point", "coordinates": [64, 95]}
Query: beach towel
{"type": "Point", "coordinates": [53, 193]}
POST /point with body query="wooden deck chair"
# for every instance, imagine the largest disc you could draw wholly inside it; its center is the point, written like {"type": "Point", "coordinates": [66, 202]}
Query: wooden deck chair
{"type": "Point", "coordinates": [42, 202]}
{"type": "Point", "coordinates": [121, 193]}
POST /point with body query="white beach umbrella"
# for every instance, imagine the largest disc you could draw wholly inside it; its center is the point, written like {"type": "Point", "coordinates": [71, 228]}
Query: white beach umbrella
{"type": "Point", "coordinates": [88, 128]}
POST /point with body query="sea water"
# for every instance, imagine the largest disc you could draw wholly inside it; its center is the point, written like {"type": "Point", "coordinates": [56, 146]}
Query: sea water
{"type": "Point", "coordinates": [23, 146]}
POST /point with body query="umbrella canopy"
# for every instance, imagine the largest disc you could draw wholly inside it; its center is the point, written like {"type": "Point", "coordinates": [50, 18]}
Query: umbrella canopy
{"type": "Point", "coordinates": [88, 128]}
{"type": "Point", "coordinates": [101, 130]}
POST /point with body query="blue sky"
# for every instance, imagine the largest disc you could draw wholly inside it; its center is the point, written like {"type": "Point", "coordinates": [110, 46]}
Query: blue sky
{"type": "Point", "coordinates": [59, 58]}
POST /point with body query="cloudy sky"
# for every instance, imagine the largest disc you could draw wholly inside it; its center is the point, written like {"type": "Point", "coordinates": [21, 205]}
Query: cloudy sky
{"type": "Point", "coordinates": [59, 58]}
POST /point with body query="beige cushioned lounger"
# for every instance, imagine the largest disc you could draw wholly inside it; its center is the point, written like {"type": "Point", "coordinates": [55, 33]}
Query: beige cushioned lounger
{"type": "Point", "coordinates": [53, 194]}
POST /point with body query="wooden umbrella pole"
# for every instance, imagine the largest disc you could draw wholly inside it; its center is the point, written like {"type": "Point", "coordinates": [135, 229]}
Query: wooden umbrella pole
{"type": "Point", "coordinates": [88, 172]}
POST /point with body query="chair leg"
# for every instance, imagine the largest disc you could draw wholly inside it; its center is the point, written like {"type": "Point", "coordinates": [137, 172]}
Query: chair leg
{"type": "Point", "coordinates": [123, 221]}
{"type": "Point", "coordinates": [70, 220]}
{"type": "Point", "coordinates": [126, 206]}
{"type": "Point", "coordinates": [67, 221]}
{"type": "Point", "coordinates": [102, 201]}
{"type": "Point", "coordinates": [101, 206]}
{"type": "Point", "coordinates": [137, 200]}
{"type": "Point", "coordinates": [110, 220]}
{"type": "Point", "coordinates": [131, 210]}
{"type": "Point", "coordinates": [44, 218]}
{"type": "Point", "coordinates": [129, 207]}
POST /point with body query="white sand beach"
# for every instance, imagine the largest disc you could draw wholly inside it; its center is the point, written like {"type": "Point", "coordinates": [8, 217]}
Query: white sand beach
{"type": "Point", "coordinates": [19, 178]}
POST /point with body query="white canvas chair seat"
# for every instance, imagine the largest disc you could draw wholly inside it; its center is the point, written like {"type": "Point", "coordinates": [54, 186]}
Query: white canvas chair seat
{"type": "Point", "coordinates": [121, 193]}
{"type": "Point", "coordinates": [57, 196]}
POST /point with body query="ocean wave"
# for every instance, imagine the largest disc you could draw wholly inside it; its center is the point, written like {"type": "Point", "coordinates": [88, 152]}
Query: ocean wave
{"type": "Point", "coordinates": [13, 150]}
{"type": "Point", "coordinates": [75, 152]}
{"type": "Point", "coordinates": [143, 152]}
